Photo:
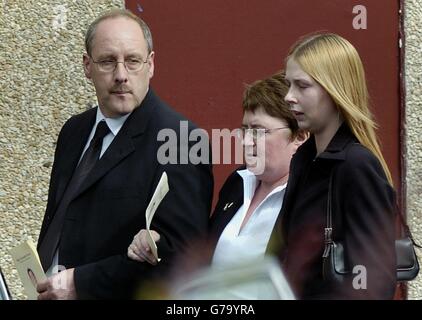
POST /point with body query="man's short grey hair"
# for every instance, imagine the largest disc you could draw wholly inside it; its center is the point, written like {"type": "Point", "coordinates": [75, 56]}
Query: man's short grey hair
{"type": "Point", "coordinates": [117, 13]}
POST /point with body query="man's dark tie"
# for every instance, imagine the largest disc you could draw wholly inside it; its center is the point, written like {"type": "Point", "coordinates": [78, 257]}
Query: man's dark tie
{"type": "Point", "coordinates": [51, 239]}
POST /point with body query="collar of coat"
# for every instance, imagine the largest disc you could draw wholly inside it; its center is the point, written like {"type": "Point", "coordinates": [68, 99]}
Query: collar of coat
{"type": "Point", "coordinates": [140, 118]}
{"type": "Point", "coordinates": [336, 149]}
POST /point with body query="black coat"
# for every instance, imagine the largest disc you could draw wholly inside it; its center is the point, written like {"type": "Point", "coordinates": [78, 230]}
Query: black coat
{"type": "Point", "coordinates": [230, 199]}
{"type": "Point", "coordinates": [110, 207]}
{"type": "Point", "coordinates": [363, 219]}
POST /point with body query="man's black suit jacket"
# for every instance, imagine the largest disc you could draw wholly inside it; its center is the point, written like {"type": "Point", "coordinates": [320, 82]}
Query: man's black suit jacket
{"type": "Point", "coordinates": [109, 208]}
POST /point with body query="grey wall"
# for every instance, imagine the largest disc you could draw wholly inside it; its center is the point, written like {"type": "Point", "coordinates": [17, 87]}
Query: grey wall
{"type": "Point", "coordinates": [413, 126]}
{"type": "Point", "coordinates": [42, 84]}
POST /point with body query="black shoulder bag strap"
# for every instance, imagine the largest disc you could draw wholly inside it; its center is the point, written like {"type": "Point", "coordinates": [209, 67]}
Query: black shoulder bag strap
{"type": "Point", "coordinates": [328, 234]}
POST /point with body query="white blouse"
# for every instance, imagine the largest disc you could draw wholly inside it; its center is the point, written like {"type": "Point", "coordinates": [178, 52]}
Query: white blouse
{"type": "Point", "coordinates": [237, 246]}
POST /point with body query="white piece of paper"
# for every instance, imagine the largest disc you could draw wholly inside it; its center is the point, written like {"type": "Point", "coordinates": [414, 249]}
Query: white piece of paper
{"type": "Point", "coordinates": [158, 196]}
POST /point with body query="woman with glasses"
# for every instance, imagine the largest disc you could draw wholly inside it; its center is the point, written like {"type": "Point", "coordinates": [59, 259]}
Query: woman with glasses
{"type": "Point", "coordinates": [251, 198]}
{"type": "Point", "coordinates": [329, 98]}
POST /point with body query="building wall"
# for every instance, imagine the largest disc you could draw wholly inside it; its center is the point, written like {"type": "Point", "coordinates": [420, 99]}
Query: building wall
{"type": "Point", "coordinates": [225, 56]}
{"type": "Point", "coordinates": [41, 85]}
{"type": "Point", "coordinates": [413, 128]}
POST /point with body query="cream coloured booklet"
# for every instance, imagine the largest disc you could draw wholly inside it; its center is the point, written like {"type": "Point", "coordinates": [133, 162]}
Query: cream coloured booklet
{"type": "Point", "coordinates": [159, 194]}
{"type": "Point", "coordinates": [27, 262]}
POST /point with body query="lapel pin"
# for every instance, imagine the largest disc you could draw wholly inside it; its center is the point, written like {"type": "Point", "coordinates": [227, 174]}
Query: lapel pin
{"type": "Point", "coordinates": [228, 205]}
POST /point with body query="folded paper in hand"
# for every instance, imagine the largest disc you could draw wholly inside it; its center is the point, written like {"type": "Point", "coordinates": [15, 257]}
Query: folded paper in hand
{"type": "Point", "coordinates": [159, 194]}
{"type": "Point", "coordinates": [29, 267]}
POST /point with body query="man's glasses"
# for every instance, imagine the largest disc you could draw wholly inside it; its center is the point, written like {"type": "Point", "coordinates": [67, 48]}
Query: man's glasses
{"type": "Point", "coordinates": [255, 133]}
{"type": "Point", "coordinates": [131, 65]}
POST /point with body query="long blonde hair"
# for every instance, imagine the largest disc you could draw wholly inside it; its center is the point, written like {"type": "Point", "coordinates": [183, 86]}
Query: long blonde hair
{"type": "Point", "coordinates": [335, 64]}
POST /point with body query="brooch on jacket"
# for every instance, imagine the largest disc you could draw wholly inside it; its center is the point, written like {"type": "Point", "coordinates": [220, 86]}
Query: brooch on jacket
{"type": "Point", "coordinates": [228, 205]}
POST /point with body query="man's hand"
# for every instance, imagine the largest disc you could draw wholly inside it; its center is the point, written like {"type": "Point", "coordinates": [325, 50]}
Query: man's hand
{"type": "Point", "coordinates": [139, 249]}
{"type": "Point", "coordinates": [60, 286]}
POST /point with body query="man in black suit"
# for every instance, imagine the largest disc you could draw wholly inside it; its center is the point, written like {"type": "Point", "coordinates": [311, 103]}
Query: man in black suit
{"type": "Point", "coordinates": [94, 210]}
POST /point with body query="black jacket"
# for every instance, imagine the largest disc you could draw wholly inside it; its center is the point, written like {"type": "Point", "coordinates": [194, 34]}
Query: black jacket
{"type": "Point", "coordinates": [363, 219]}
{"type": "Point", "coordinates": [230, 199]}
{"type": "Point", "coordinates": [110, 208]}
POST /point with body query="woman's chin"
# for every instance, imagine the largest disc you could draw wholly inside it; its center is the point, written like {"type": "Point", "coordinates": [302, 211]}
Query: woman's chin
{"type": "Point", "coordinates": [255, 167]}
{"type": "Point", "coordinates": [251, 163]}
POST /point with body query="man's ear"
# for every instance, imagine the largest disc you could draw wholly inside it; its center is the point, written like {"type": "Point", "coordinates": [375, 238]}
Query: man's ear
{"type": "Point", "coordinates": [151, 64]}
{"type": "Point", "coordinates": [87, 65]}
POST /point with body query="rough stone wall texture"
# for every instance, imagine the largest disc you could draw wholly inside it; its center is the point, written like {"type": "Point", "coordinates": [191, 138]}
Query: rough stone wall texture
{"type": "Point", "coordinates": [413, 127]}
{"type": "Point", "coordinates": [41, 85]}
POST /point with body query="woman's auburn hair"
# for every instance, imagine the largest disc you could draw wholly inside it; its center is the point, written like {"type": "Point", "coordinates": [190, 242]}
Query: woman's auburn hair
{"type": "Point", "coordinates": [335, 64]}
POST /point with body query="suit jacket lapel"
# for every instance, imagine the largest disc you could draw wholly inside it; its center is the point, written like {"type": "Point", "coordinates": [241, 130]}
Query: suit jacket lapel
{"type": "Point", "coordinates": [73, 151]}
{"type": "Point", "coordinates": [122, 145]}
{"type": "Point", "coordinates": [225, 209]}
{"type": "Point", "coordinates": [223, 217]}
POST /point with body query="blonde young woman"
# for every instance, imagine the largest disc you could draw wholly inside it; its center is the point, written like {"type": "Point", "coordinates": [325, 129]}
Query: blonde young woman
{"type": "Point", "coordinates": [329, 97]}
